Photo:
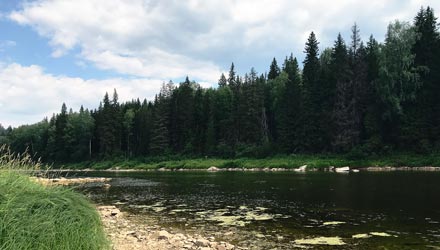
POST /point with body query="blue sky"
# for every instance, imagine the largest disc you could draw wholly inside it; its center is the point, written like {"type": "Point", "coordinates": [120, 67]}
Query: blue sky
{"type": "Point", "coordinates": [54, 51]}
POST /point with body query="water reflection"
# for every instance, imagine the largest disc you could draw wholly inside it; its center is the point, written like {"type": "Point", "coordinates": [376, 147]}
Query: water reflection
{"type": "Point", "coordinates": [286, 210]}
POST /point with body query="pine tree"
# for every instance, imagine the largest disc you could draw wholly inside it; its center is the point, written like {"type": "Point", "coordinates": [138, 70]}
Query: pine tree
{"type": "Point", "coordinates": [160, 139]}
{"type": "Point", "coordinates": [60, 146]}
{"type": "Point", "coordinates": [222, 81]}
{"type": "Point", "coordinates": [421, 120]}
{"type": "Point", "coordinates": [311, 134]}
{"type": "Point", "coordinates": [231, 77]}
{"type": "Point", "coordinates": [274, 70]}
{"type": "Point", "coordinates": [345, 133]}
{"type": "Point", "coordinates": [359, 79]}
{"type": "Point", "coordinates": [288, 108]}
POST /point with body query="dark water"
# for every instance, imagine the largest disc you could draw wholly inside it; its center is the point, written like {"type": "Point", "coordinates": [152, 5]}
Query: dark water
{"type": "Point", "coordinates": [272, 210]}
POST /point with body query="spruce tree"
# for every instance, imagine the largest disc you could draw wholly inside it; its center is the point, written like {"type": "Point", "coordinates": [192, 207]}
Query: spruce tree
{"type": "Point", "coordinates": [311, 134]}
{"type": "Point", "coordinates": [274, 70]}
{"type": "Point", "coordinates": [345, 131]}
{"type": "Point", "coordinates": [289, 108]}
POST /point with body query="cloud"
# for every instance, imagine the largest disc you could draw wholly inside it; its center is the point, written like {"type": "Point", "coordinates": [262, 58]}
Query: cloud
{"type": "Point", "coordinates": [148, 40]}
{"type": "Point", "coordinates": [4, 44]}
{"type": "Point", "coordinates": [29, 94]}
{"type": "Point", "coordinates": [171, 38]}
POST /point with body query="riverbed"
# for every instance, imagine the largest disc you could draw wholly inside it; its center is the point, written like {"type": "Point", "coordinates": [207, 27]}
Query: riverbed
{"type": "Point", "coordinates": [283, 210]}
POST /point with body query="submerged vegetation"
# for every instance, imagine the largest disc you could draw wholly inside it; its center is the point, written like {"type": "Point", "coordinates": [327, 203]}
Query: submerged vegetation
{"type": "Point", "coordinates": [37, 217]}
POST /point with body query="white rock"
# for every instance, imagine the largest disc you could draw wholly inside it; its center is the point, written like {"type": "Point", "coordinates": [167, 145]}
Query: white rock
{"type": "Point", "coordinates": [342, 169]}
{"type": "Point", "coordinates": [213, 169]}
{"type": "Point", "coordinates": [301, 169]}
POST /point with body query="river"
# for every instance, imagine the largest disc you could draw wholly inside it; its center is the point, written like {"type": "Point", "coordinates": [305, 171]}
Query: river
{"type": "Point", "coordinates": [284, 210]}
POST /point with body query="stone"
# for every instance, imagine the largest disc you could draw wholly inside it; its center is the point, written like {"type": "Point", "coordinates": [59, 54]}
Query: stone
{"type": "Point", "coordinates": [202, 242]}
{"type": "Point", "coordinates": [162, 235]}
{"type": "Point", "coordinates": [213, 169]}
{"type": "Point", "coordinates": [342, 169]}
{"type": "Point", "coordinates": [229, 246]}
{"type": "Point", "coordinates": [115, 212]}
{"type": "Point", "coordinates": [301, 169]}
{"type": "Point", "coordinates": [221, 247]}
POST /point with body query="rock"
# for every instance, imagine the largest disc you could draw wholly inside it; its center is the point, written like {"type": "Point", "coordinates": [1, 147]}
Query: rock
{"type": "Point", "coordinates": [213, 169]}
{"type": "Point", "coordinates": [229, 246]}
{"type": "Point", "coordinates": [202, 242]}
{"type": "Point", "coordinates": [115, 212]}
{"type": "Point", "coordinates": [301, 169]}
{"type": "Point", "coordinates": [221, 247]}
{"type": "Point", "coordinates": [205, 248]}
{"type": "Point", "coordinates": [260, 236]}
{"type": "Point", "coordinates": [342, 169]}
{"type": "Point", "coordinates": [162, 235]}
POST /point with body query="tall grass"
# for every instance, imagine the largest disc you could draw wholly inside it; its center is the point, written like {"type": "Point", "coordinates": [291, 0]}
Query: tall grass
{"type": "Point", "coordinates": [37, 217]}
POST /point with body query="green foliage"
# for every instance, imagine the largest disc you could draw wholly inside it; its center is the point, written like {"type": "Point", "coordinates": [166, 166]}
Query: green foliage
{"type": "Point", "coordinates": [398, 76]}
{"type": "Point", "coordinates": [350, 99]}
{"type": "Point", "coordinates": [37, 217]}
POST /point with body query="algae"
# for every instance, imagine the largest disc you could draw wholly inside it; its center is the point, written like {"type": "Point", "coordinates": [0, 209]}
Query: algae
{"type": "Point", "coordinates": [330, 241]}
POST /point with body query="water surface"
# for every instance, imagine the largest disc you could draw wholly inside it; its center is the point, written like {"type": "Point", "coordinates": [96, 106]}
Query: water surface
{"type": "Point", "coordinates": [258, 210]}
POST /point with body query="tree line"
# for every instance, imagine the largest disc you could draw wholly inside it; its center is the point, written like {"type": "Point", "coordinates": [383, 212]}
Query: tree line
{"type": "Point", "coordinates": [363, 98]}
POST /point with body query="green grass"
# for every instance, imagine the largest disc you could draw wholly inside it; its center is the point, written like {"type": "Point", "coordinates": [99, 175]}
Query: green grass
{"type": "Point", "coordinates": [282, 161]}
{"type": "Point", "coordinates": [37, 217]}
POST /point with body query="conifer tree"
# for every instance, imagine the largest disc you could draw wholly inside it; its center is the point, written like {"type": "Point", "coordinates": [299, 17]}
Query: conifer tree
{"type": "Point", "coordinates": [289, 108]}
{"type": "Point", "coordinates": [311, 134]}
{"type": "Point", "coordinates": [274, 70]}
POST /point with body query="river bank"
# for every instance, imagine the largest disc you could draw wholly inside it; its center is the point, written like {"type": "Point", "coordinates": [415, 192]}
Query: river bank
{"type": "Point", "coordinates": [399, 162]}
{"type": "Point", "coordinates": [303, 168]}
{"type": "Point", "coordinates": [127, 232]}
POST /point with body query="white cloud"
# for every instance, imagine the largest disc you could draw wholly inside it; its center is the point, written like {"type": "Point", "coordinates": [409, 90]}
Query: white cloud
{"type": "Point", "coordinates": [6, 44]}
{"type": "Point", "coordinates": [166, 39]}
{"type": "Point", "coordinates": [29, 94]}
{"type": "Point", "coordinates": [170, 38]}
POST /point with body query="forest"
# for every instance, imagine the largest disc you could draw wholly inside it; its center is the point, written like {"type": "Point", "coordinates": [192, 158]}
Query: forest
{"type": "Point", "coordinates": [358, 97]}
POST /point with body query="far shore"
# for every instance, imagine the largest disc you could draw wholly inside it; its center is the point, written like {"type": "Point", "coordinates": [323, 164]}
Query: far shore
{"type": "Point", "coordinates": [293, 169]}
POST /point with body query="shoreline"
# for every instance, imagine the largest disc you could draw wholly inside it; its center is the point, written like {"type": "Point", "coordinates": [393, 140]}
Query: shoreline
{"type": "Point", "coordinates": [127, 233]}
{"type": "Point", "coordinates": [266, 169]}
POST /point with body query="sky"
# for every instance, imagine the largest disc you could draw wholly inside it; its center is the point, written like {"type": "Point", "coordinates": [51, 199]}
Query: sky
{"type": "Point", "coordinates": [55, 51]}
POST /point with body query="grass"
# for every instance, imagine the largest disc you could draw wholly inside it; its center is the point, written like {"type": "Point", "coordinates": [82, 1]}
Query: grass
{"type": "Point", "coordinates": [281, 161]}
{"type": "Point", "coordinates": [37, 217]}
